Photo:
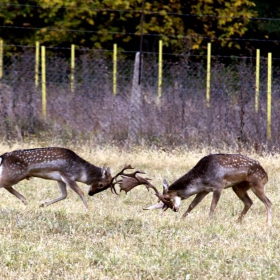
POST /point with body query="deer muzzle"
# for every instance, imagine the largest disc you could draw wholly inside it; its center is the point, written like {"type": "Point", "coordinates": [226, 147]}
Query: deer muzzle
{"type": "Point", "coordinates": [172, 203]}
{"type": "Point", "coordinates": [93, 191]}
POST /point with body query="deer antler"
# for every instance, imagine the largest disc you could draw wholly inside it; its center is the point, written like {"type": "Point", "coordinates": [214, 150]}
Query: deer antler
{"type": "Point", "coordinates": [121, 173]}
{"type": "Point", "coordinates": [130, 181]}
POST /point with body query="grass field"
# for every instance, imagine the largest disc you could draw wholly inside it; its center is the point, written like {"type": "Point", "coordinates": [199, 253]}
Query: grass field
{"type": "Point", "coordinates": [116, 239]}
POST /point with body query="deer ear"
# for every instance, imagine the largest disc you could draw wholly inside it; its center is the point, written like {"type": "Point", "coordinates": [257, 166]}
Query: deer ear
{"type": "Point", "coordinates": [103, 172]}
{"type": "Point", "coordinates": [108, 171]}
{"type": "Point", "coordinates": [165, 185]}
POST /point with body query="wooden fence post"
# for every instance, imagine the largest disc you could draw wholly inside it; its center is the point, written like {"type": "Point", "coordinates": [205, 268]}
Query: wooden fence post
{"type": "Point", "coordinates": [269, 75]}
{"type": "Point", "coordinates": [257, 80]}
{"type": "Point", "coordinates": [1, 58]}
{"type": "Point", "coordinates": [208, 74]}
{"type": "Point", "coordinates": [160, 69]}
{"type": "Point", "coordinates": [72, 85]}
{"type": "Point", "coordinates": [37, 63]}
{"type": "Point", "coordinates": [115, 70]}
{"type": "Point", "coordinates": [43, 75]}
{"type": "Point", "coordinates": [135, 106]}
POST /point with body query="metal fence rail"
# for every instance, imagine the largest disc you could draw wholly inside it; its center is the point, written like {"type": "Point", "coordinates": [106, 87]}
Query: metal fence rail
{"type": "Point", "coordinates": [88, 108]}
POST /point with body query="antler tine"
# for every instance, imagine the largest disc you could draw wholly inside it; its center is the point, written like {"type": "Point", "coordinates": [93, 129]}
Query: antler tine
{"type": "Point", "coordinates": [161, 198]}
{"type": "Point", "coordinates": [121, 172]}
{"type": "Point", "coordinates": [133, 175]}
{"type": "Point", "coordinates": [130, 181]}
{"type": "Point", "coordinates": [113, 189]}
{"type": "Point", "coordinates": [148, 185]}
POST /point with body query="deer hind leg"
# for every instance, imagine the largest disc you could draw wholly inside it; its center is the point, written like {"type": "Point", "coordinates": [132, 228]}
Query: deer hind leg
{"type": "Point", "coordinates": [241, 191]}
{"type": "Point", "coordinates": [258, 190]}
{"type": "Point", "coordinates": [17, 194]}
{"type": "Point", "coordinates": [199, 197]}
{"type": "Point", "coordinates": [73, 185]}
{"type": "Point", "coordinates": [62, 187]}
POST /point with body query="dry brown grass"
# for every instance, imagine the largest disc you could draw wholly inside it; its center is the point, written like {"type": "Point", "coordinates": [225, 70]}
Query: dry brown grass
{"type": "Point", "coordinates": [116, 239]}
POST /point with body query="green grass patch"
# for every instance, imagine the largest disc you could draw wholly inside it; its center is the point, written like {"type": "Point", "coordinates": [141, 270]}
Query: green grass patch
{"type": "Point", "coordinates": [116, 239]}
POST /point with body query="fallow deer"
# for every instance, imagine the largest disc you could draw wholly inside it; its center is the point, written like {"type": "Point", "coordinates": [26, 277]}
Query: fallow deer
{"type": "Point", "coordinates": [53, 163]}
{"type": "Point", "coordinates": [212, 173]}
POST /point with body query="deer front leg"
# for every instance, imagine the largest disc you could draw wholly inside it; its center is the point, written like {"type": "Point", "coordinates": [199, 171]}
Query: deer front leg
{"type": "Point", "coordinates": [62, 187]}
{"type": "Point", "coordinates": [216, 196]}
{"type": "Point", "coordinates": [73, 185]}
{"type": "Point", "coordinates": [196, 200]}
{"type": "Point", "coordinates": [17, 194]}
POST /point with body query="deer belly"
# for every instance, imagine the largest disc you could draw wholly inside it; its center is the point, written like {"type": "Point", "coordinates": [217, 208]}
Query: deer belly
{"type": "Point", "coordinates": [51, 175]}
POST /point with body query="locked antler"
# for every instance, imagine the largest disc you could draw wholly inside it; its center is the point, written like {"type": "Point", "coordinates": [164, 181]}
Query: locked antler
{"type": "Point", "coordinates": [121, 173]}
{"type": "Point", "coordinates": [127, 183]}
{"type": "Point", "coordinates": [132, 180]}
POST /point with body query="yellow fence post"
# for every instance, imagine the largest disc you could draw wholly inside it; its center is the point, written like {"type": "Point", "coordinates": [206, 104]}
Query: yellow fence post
{"type": "Point", "coordinates": [72, 68]}
{"type": "Point", "coordinates": [269, 75]}
{"type": "Point", "coordinates": [37, 62]}
{"type": "Point", "coordinates": [43, 75]}
{"type": "Point", "coordinates": [115, 69]}
{"type": "Point", "coordinates": [1, 58]}
{"type": "Point", "coordinates": [160, 69]}
{"type": "Point", "coordinates": [257, 80]}
{"type": "Point", "coordinates": [208, 75]}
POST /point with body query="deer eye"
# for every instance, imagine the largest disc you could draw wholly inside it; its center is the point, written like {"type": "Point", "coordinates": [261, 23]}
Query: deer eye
{"type": "Point", "coordinates": [101, 185]}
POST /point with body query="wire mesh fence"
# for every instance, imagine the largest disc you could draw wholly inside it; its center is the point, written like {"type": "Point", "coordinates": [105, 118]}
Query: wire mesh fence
{"type": "Point", "coordinates": [179, 117]}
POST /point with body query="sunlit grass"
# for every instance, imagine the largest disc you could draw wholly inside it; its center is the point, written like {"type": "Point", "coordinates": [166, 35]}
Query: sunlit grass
{"type": "Point", "coordinates": [116, 239]}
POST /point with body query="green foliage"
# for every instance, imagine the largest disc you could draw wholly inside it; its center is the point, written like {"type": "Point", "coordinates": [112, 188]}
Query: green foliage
{"type": "Point", "coordinates": [219, 19]}
{"type": "Point", "coordinates": [267, 27]}
{"type": "Point", "coordinates": [100, 24]}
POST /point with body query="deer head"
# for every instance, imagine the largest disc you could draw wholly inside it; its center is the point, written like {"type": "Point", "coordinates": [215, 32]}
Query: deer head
{"type": "Point", "coordinates": [102, 184]}
{"type": "Point", "coordinates": [108, 181]}
{"type": "Point", "coordinates": [168, 200]}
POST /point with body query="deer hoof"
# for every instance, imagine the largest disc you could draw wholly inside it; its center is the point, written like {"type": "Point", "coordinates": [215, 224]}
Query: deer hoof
{"type": "Point", "coordinates": [45, 204]}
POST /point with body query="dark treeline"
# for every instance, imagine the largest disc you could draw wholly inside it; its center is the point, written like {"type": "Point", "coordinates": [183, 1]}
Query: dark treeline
{"type": "Point", "coordinates": [236, 28]}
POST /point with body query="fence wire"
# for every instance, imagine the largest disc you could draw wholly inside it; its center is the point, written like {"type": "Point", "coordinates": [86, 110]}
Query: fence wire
{"type": "Point", "coordinates": [180, 117]}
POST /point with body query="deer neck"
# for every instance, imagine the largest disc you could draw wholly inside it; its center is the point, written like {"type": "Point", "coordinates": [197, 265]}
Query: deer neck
{"type": "Point", "coordinates": [186, 186]}
{"type": "Point", "coordinates": [89, 173]}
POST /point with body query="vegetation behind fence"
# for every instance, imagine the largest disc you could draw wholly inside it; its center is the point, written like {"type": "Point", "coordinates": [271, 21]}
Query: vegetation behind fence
{"type": "Point", "coordinates": [81, 104]}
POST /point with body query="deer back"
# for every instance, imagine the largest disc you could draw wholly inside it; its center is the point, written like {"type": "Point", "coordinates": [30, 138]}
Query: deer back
{"type": "Point", "coordinates": [218, 170]}
{"type": "Point", "coordinates": [48, 163]}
